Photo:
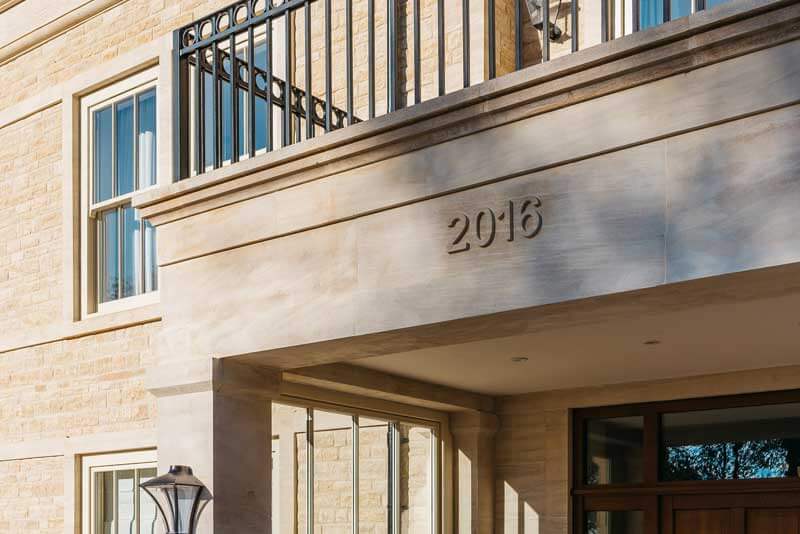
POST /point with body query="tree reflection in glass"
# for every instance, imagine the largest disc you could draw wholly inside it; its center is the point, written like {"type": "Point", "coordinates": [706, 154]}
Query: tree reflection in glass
{"type": "Point", "coordinates": [732, 444]}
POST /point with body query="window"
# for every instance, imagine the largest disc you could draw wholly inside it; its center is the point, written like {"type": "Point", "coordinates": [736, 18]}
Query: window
{"type": "Point", "coordinates": [614, 522]}
{"type": "Point", "coordinates": [655, 12]}
{"type": "Point", "coordinates": [631, 460]}
{"type": "Point", "coordinates": [614, 450]}
{"type": "Point", "coordinates": [367, 473]}
{"type": "Point", "coordinates": [732, 443]}
{"type": "Point", "coordinates": [112, 501]}
{"type": "Point", "coordinates": [119, 158]}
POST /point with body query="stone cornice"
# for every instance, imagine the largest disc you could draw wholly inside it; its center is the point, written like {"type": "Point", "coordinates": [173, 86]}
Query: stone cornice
{"type": "Point", "coordinates": [87, 327]}
{"type": "Point", "coordinates": [5, 5]}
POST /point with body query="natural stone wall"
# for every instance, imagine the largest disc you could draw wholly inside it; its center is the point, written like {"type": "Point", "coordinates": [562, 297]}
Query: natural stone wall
{"type": "Point", "coordinates": [532, 469]}
{"type": "Point", "coordinates": [31, 496]}
{"type": "Point", "coordinates": [31, 286]}
{"type": "Point", "coordinates": [75, 387]}
{"type": "Point", "coordinates": [63, 389]}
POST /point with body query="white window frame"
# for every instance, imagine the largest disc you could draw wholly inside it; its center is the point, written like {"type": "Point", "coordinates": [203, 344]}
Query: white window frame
{"type": "Point", "coordinates": [98, 463]}
{"type": "Point", "coordinates": [90, 305]}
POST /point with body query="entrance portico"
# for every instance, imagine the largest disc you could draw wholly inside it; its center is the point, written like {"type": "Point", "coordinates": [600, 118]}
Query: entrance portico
{"type": "Point", "coordinates": [481, 284]}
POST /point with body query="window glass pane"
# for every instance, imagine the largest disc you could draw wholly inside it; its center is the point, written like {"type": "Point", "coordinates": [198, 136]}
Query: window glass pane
{"type": "Point", "coordinates": [333, 472]}
{"type": "Point", "coordinates": [104, 503]}
{"type": "Point", "coordinates": [614, 450]}
{"type": "Point", "coordinates": [147, 508]}
{"type": "Point", "coordinates": [373, 474]}
{"type": "Point", "coordinates": [651, 13]}
{"type": "Point", "coordinates": [108, 239]}
{"type": "Point", "coordinates": [208, 121]}
{"type": "Point", "coordinates": [150, 263]}
{"type": "Point", "coordinates": [735, 443]}
{"type": "Point", "coordinates": [126, 501]}
{"type": "Point", "coordinates": [261, 103]}
{"type": "Point", "coordinates": [624, 522]}
{"type": "Point", "coordinates": [226, 114]}
{"type": "Point", "coordinates": [147, 139]}
{"type": "Point", "coordinates": [416, 455]}
{"type": "Point", "coordinates": [712, 3]}
{"type": "Point", "coordinates": [242, 125]}
{"type": "Point", "coordinates": [289, 469]}
{"type": "Point", "coordinates": [124, 146]}
{"type": "Point", "coordinates": [131, 244]}
{"type": "Point", "coordinates": [680, 8]}
{"type": "Point", "coordinates": [102, 170]}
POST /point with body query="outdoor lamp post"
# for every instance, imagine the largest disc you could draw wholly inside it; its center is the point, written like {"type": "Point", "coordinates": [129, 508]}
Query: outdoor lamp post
{"type": "Point", "coordinates": [180, 497]}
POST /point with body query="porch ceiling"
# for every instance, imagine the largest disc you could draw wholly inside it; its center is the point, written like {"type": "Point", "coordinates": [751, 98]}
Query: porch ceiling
{"type": "Point", "coordinates": [704, 339]}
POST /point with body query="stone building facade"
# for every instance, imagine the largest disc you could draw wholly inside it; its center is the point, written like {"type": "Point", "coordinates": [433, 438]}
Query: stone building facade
{"type": "Point", "coordinates": [639, 188]}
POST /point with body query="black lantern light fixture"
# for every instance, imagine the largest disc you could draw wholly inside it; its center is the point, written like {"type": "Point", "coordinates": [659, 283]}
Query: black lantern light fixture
{"type": "Point", "coordinates": [180, 497]}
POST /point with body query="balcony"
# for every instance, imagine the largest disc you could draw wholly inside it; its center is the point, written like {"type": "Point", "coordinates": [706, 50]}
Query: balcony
{"type": "Point", "coordinates": [303, 68]}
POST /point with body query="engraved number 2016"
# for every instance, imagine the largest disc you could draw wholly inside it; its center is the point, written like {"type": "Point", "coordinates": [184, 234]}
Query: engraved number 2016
{"type": "Point", "coordinates": [486, 223]}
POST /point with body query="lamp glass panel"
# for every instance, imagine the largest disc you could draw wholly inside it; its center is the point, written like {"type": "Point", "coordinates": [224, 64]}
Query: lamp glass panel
{"type": "Point", "coordinates": [186, 496]}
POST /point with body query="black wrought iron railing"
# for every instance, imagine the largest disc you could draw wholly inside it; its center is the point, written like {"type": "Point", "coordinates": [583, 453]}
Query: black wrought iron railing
{"type": "Point", "coordinates": [263, 74]}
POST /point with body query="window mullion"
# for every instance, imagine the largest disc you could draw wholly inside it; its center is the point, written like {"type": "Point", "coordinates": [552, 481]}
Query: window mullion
{"type": "Point", "coordinates": [99, 259]}
{"type": "Point", "coordinates": [114, 185]}
{"type": "Point", "coordinates": [115, 500]}
{"type": "Point", "coordinates": [436, 465]}
{"type": "Point", "coordinates": [310, 471]}
{"type": "Point", "coordinates": [120, 257]}
{"type": "Point", "coordinates": [136, 503]}
{"type": "Point", "coordinates": [394, 478]}
{"type": "Point", "coordinates": [651, 447]}
{"type": "Point", "coordinates": [141, 264]}
{"type": "Point", "coordinates": [356, 473]}
{"type": "Point", "coordinates": [136, 184]}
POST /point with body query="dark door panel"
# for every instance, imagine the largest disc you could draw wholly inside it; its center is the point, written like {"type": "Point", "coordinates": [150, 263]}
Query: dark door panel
{"type": "Point", "coordinates": [758, 513]}
{"type": "Point", "coordinates": [773, 521]}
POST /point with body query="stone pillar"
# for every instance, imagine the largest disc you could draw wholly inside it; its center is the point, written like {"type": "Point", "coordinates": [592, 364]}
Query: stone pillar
{"type": "Point", "coordinates": [216, 417]}
{"type": "Point", "coordinates": [473, 435]}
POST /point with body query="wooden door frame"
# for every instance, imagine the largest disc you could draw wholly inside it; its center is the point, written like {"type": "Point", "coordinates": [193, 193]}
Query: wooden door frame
{"type": "Point", "coordinates": [662, 495]}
